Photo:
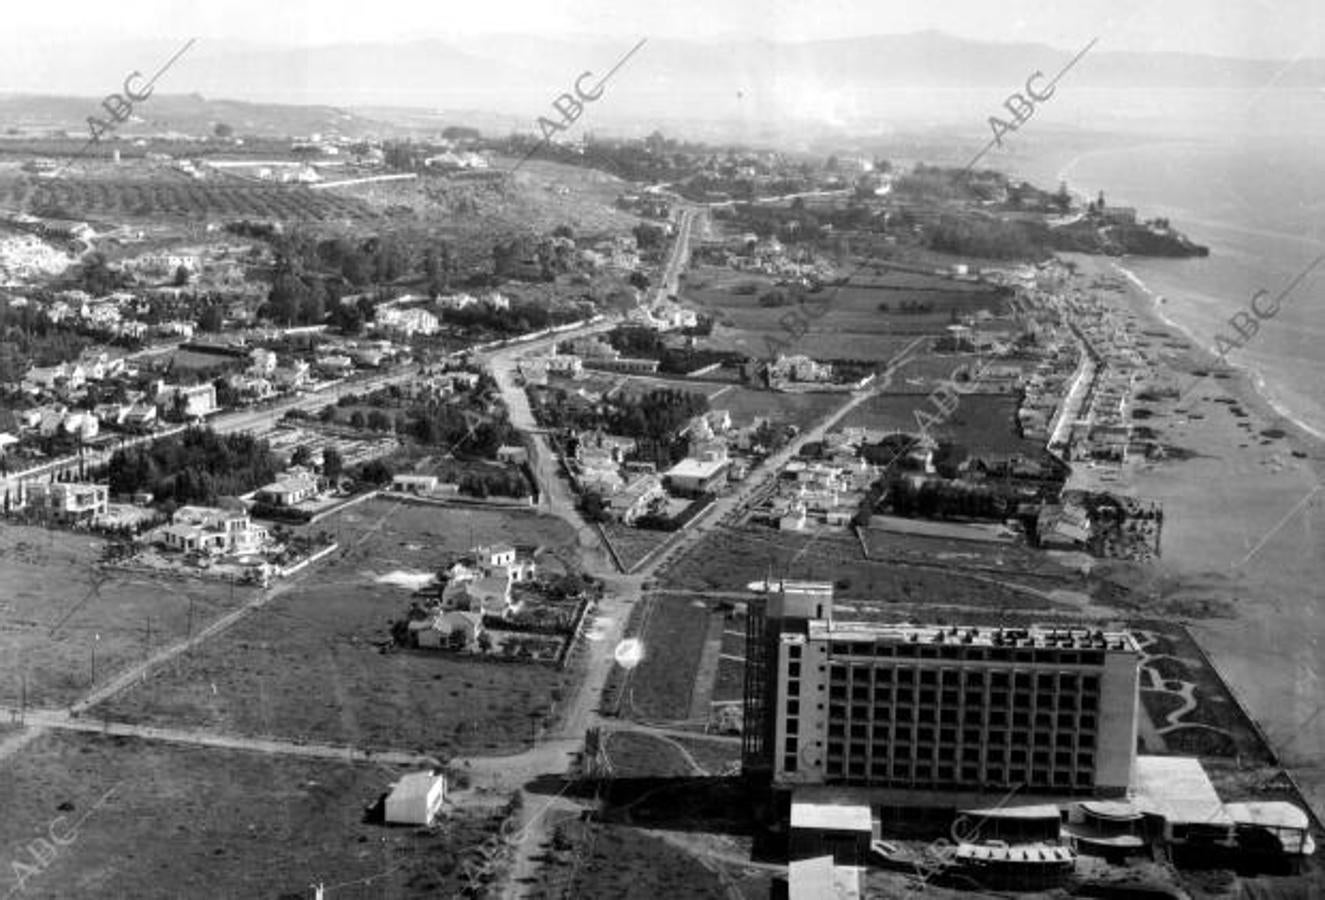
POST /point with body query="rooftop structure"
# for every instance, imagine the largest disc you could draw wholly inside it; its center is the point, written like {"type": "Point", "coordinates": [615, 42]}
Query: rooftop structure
{"type": "Point", "coordinates": [1177, 789]}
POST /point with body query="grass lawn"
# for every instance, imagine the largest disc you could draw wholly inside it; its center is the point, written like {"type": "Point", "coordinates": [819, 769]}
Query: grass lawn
{"type": "Point", "coordinates": [57, 609]}
{"type": "Point", "coordinates": [979, 422]}
{"type": "Point", "coordinates": [801, 410]}
{"type": "Point", "coordinates": [190, 822]}
{"type": "Point", "coordinates": [715, 756]}
{"type": "Point", "coordinates": [311, 664]}
{"type": "Point", "coordinates": [1217, 727]}
{"type": "Point", "coordinates": [635, 755]}
{"type": "Point", "coordinates": [660, 688]}
{"type": "Point", "coordinates": [845, 323]}
{"type": "Point", "coordinates": [633, 544]}
{"type": "Point", "coordinates": [731, 558]}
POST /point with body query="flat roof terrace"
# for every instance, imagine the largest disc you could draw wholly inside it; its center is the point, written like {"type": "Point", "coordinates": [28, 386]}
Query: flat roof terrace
{"type": "Point", "coordinates": [1062, 638]}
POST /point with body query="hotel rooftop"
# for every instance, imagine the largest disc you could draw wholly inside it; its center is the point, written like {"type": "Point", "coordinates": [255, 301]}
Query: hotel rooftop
{"type": "Point", "coordinates": [1035, 636]}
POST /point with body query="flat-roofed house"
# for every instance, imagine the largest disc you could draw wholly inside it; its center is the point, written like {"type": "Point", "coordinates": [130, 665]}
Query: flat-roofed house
{"type": "Point", "coordinates": [697, 476]}
{"type": "Point", "coordinates": [415, 799]}
{"type": "Point", "coordinates": [68, 501]}
{"type": "Point", "coordinates": [288, 491]}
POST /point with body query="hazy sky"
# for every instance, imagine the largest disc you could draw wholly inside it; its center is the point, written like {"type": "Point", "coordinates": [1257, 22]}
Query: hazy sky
{"type": "Point", "coordinates": [1273, 29]}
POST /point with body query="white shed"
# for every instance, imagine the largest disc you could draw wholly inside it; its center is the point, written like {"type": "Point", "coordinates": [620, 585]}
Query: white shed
{"type": "Point", "coordinates": [415, 799]}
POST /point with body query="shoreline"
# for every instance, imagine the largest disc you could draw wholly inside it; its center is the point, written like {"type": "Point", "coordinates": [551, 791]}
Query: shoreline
{"type": "Point", "coordinates": [1242, 519]}
{"type": "Point", "coordinates": [1245, 383]}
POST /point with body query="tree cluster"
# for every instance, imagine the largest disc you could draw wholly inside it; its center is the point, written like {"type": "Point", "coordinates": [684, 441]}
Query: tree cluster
{"type": "Point", "coordinates": [938, 499]}
{"type": "Point", "coordinates": [197, 466]}
{"type": "Point", "coordinates": [988, 238]}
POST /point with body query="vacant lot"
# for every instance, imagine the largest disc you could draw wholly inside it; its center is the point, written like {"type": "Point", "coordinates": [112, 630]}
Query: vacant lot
{"type": "Point", "coordinates": [315, 663]}
{"type": "Point", "coordinates": [846, 323]}
{"type": "Point", "coordinates": [189, 822]}
{"type": "Point", "coordinates": [633, 544]}
{"type": "Point", "coordinates": [661, 687]}
{"type": "Point", "coordinates": [58, 611]}
{"type": "Point", "coordinates": [636, 755]}
{"type": "Point", "coordinates": [732, 558]}
{"type": "Point", "coordinates": [981, 422]}
{"type": "Point", "coordinates": [801, 410]}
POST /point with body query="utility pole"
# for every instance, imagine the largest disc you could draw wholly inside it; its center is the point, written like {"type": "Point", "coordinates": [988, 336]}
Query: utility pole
{"type": "Point", "coordinates": [189, 633]}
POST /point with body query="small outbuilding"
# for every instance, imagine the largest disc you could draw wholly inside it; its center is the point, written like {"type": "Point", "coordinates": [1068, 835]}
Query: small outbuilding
{"type": "Point", "coordinates": [827, 823]}
{"type": "Point", "coordinates": [415, 799]}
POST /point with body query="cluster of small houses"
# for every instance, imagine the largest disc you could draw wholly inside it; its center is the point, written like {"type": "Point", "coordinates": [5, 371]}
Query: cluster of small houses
{"type": "Point", "coordinates": [826, 491]}
{"type": "Point", "coordinates": [630, 490]}
{"type": "Point", "coordinates": [202, 532]}
{"type": "Point", "coordinates": [475, 596]}
{"type": "Point", "coordinates": [767, 256]}
{"type": "Point", "coordinates": [593, 353]}
{"type": "Point", "coordinates": [408, 315]}
{"type": "Point", "coordinates": [1079, 397]}
{"type": "Point", "coordinates": [60, 392]}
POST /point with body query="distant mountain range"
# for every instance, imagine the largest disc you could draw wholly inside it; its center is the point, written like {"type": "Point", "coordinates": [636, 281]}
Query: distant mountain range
{"type": "Point", "coordinates": [922, 78]}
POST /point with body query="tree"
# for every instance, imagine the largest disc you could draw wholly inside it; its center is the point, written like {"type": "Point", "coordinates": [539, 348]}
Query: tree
{"type": "Point", "coordinates": [98, 277]}
{"type": "Point", "coordinates": [211, 319]}
{"type": "Point", "coordinates": [1063, 199]}
{"type": "Point", "coordinates": [376, 472]}
{"type": "Point", "coordinates": [287, 296]}
{"type": "Point", "coordinates": [379, 421]}
{"type": "Point", "coordinates": [484, 642]}
{"type": "Point", "coordinates": [357, 419]}
{"type": "Point", "coordinates": [648, 235]}
{"type": "Point", "coordinates": [181, 276]}
{"type": "Point", "coordinates": [332, 463]}
{"type": "Point", "coordinates": [222, 130]}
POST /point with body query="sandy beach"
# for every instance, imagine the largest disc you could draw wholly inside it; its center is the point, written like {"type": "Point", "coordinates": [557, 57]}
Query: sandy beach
{"type": "Point", "coordinates": [1242, 532]}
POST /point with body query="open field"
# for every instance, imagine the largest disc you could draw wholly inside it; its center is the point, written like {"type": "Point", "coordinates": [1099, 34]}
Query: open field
{"type": "Point", "coordinates": [984, 532]}
{"type": "Point", "coordinates": [189, 822]}
{"type": "Point", "coordinates": [717, 757]}
{"type": "Point", "coordinates": [163, 196]}
{"type": "Point", "coordinates": [636, 755]}
{"type": "Point", "coordinates": [58, 610]}
{"type": "Point", "coordinates": [730, 559]}
{"type": "Point", "coordinates": [661, 687]}
{"type": "Point", "coordinates": [846, 323]}
{"type": "Point", "coordinates": [311, 664]}
{"type": "Point", "coordinates": [801, 410]}
{"type": "Point", "coordinates": [982, 422]}
{"type": "Point", "coordinates": [633, 544]}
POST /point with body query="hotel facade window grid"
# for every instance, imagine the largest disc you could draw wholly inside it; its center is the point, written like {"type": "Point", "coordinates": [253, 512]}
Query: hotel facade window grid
{"type": "Point", "coordinates": [933, 708]}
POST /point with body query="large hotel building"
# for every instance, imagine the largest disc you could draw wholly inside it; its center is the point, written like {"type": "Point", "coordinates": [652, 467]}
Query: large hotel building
{"type": "Point", "coordinates": [908, 710]}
